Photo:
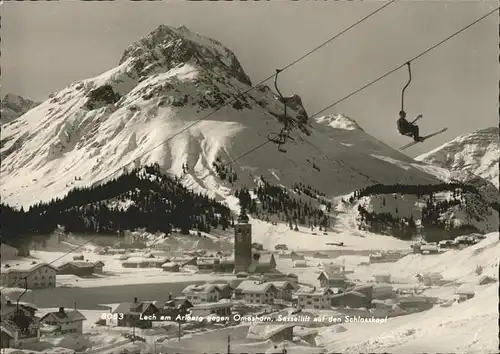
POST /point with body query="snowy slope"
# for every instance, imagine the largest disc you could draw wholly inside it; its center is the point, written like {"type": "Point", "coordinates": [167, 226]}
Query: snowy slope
{"type": "Point", "coordinates": [163, 83]}
{"type": "Point", "coordinates": [477, 152]}
{"type": "Point", "coordinates": [13, 106]}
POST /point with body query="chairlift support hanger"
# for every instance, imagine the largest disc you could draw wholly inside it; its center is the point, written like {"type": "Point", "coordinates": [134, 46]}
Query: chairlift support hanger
{"type": "Point", "coordinates": [283, 135]}
{"type": "Point", "coordinates": [406, 86]}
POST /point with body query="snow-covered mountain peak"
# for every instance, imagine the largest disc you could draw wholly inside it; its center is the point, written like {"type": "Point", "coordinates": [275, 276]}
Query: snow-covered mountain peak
{"type": "Point", "coordinates": [167, 47]}
{"type": "Point", "coordinates": [338, 121]}
{"type": "Point", "coordinates": [13, 106]}
{"type": "Point", "coordinates": [476, 152]}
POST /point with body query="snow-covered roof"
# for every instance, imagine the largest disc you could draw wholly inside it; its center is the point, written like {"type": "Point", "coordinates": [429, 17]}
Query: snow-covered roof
{"type": "Point", "coordinates": [65, 316]}
{"type": "Point", "coordinates": [78, 264]}
{"type": "Point", "coordinates": [200, 288]}
{"type": "Point", "coordinates": [25, 268]}
{"type": "Point", "coordinates": [281, 284]}
{"type": "Point", "coordinates": [255, 287]}
{"type": "Point", "coordinates": [313, 291]}
{"type": "Point", "coordinates": [332, 274]}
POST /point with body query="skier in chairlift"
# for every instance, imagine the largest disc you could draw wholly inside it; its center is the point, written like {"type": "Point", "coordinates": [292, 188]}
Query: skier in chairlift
{"type": "Point", "coordinates": [408, 128]}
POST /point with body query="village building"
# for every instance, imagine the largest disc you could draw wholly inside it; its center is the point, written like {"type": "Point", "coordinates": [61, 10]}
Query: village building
{"type": "Point", "coordinates": [128, 314]}
{"type": "Point", "coordinates": [256, 292]}
{"type": "Point", "coordinates": [415, 303]}
{"type": "Point", "coordinates": [38, 276]}
{"type": "Point", "coordinates": [205, 265]}
{"type": "Point", "coordinates": [366, 290]}
{"type": "Point", "coordinates": [284, 290]}
{"type": "Point", "coordinates": [314, 298]}
{"type": "Point", "coordinates": [170, 267]}
{"type": "Point", "coordinates": [78, 257]}
{"type": "Point", "coordinates": [202, 293]}
{"type": "Point", "coordinates": [12, 336]}
{"type": "Point", "coordinates": [98, 267]}
{"type": "Point", "coordinates": [352, 299]}
{"type": "Point", "coordinates": [225, 290]}
{"type": "Point", "coordinates": [331, 279]}
{"type": "Point", "coordinates": [64, 321]}
{"type": "Point", "coordinates": [224, 265]}
{"type": "Point", "coordinates": [221, 309]}
{"type": "Point", "coordinates": [263, 263]}
{"type": "Point", "coordinates": [78, 268]}
{"type": "Point", "coordinates": [176, 306]}
{"type": "Point", "coordinates": [277, 333]}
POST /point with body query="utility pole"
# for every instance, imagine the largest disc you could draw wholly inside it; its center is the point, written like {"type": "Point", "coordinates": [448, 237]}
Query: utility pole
{"type": "Point", "coordinates": [179, 332]}
{"type": "Point", "coordinates": [228, 344]}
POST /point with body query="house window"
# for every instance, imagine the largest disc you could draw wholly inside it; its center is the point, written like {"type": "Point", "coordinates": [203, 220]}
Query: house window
{"type": "Point", "coordinates": [309, 303]}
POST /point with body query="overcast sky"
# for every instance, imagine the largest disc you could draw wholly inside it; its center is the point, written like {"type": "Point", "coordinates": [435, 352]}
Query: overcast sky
{"type": "Point", "coordinates": [48, 45]}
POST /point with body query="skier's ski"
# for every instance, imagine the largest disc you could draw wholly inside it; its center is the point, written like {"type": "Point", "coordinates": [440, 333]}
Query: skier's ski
{"type": "Point", "coordinates": [418, 117]}
{"type": "Point", "coordinates": [423, 138]}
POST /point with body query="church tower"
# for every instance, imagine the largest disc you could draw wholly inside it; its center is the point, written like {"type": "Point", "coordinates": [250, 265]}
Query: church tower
{"type": "Point", "coordinates": [242, 243]}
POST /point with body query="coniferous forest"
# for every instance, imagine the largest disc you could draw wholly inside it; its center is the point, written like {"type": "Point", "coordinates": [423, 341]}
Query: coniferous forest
{"type": "Point", "coordinates": [276, 201]}
{"type": "Point", "coordinates": [433, 227]}
{"type": "Point", "coordinates": [140, 198]}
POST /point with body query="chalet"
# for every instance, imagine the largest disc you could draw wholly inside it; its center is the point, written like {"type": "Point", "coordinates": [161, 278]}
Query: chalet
{"type": "Point", "coordinates": [202, 293]}
{"type": "Point", "coordinates": [225, 290]}
{"type": "Point", "coordinates": [170, 267]}
{"type": "Point", "coordinates": [277, 333]}
{"type": "Point", "coordinates": [255, 292]}
{"type": "Point", "coordinates": [382, 278]}
{"type": "Point", "coordinates": [9, 309]}
{"type": "Point", "coordinates": [263, 263]}
{"type": "Point", "coordinates": [38, 276]}
{"type": "Point", "coordinates": [284, 290]}
{"type": "Point", "coordinates": [314, 298]}
{"type": "Point", "coordinates": [98, 266]}
{"type": "Point", "coordinates": [79, 268]}
{"type": "Point", "coordinates": [332, 279]}
{"type": "Point", "coordinates": [129, 313]}
{"type": "Point", "coordinates": [221, 309]}
{"type": "Point", "coordinates": [176, 306]}
{"type": "Point", "coordinates": [13, 336]}
{"type": "Point", "coordinates": [64, 321]}
{"type": "Point", "coordinates": [352, 299]}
